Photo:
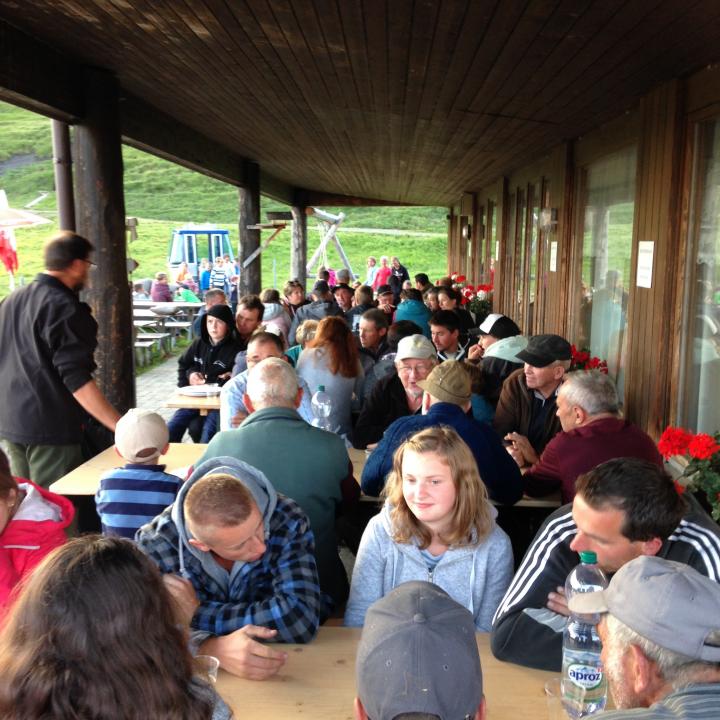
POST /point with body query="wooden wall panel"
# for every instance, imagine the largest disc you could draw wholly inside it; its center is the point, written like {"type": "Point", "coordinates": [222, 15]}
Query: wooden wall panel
{"type": "Point", "coordinates": [653, 322]}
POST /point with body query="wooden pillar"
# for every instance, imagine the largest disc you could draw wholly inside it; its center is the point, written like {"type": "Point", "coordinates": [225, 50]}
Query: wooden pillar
{"type": "Point", "coordinates": [62, 166]}
{"type": "Point", "coordinates": [654, 312]}
{"type": "Point", "coordinates": [249, 211]}
{"type": "Point", "coordinates": [100, 212]}
{"type": "Point", "coordinates": [298, 251]}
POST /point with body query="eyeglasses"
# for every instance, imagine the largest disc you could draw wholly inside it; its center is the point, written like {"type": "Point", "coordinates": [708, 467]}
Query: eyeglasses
{"type": "Point", "coordinates": [416, 369]}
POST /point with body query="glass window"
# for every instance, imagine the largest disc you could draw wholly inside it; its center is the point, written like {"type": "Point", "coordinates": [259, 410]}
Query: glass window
{"type": "Point", "coordinates": [607, 205]}
{"type": "Point", "coordinates": [700, 406]}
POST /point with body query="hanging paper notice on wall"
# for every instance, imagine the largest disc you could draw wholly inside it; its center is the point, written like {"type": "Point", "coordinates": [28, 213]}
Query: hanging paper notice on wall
{"type": "Point", "coordinates": [646, 250]}
{"type": "Point", "coordinates": [553, 256]}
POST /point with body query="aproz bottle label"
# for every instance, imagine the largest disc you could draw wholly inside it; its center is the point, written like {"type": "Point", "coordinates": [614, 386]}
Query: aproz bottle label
{"type": "Point", "coordinates": [585, 676]}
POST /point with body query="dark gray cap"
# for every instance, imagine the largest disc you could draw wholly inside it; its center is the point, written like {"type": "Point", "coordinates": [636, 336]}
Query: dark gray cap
{"type": "Point", "coordinates": [667, 602]}
{"type": "Point", "coordinates": [418, 653]}
{"type": "Point", "coordinates": [542, 350]}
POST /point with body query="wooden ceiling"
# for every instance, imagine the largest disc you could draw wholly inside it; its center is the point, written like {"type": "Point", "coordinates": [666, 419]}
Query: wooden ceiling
{"type": "Point", "coordinates": [409, 102]}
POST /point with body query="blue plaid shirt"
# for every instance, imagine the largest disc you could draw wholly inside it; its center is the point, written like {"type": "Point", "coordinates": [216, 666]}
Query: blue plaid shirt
{"type": "Point", "coordinates": [279, 591]}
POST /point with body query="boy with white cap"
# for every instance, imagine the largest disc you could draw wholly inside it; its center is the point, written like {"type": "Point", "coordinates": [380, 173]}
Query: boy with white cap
{"type": "Point", "coordinates": [133, 495]}
{"type": "Point", "coordinates": [660, 631]}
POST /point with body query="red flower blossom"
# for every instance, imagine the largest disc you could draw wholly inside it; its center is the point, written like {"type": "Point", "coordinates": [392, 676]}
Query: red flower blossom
{"type": "Point", "coordinates": [674, 441]}
{"type": "Point", "coordinates": [679, 487]}
{"type": "Point", "coordinates": [703, 446]}
{"type": "Point", "coordinates": [459, 278]}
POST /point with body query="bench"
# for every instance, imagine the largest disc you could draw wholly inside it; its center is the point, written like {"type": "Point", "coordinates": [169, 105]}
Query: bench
{"type": "Point", "coordinates": [144, 357]}
{"type": "Point", "coordinates": [181, 326]}
{"type": "Point", "coordinates": [163, 339]}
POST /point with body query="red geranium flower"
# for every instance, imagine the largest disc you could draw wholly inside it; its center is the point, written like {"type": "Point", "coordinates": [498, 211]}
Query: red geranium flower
{"type": "Point", "coordinates": [674, 441]}
{"type": "Point", "coordinates": [703, 446]}
{"type": "Point", "coordinates": [679, 487]}
{"type": "Point", "coordinates": [459, 278]}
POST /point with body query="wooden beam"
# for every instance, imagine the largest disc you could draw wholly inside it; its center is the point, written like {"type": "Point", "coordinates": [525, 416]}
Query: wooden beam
{"type": "Point", "coordinates": [62, 166]}
{"type": "Point", "coordinates": [249, 212]}
{"type": "Point", "coordinates": [100, 216]}
{"type": "Point", "coordinates": [308, 198]}
{"type": "Point", "coordinates": [298, 252]}
{"type": "Point", "coordinates": [148, 129]}
{"type": "Point", "coordinates": [37, 78]}
{"type": "Point", "coordinates": [276, 189]}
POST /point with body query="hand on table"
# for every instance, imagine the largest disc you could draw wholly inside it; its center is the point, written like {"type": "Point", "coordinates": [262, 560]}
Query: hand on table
{"type": "Point", "coordinates": [521, 449]}
{"type": "Point", "coordinates": [240, 655]}
{"type": "Point", "coordinates": [184, 597]}
{"type": "Point", "coordinates": [196, 378]}
{"type": "Point", "coordinates": [557, 602]}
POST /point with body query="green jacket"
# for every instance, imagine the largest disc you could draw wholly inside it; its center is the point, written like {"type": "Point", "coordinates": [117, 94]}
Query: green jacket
{"type": "Point", "coordinates": [307, 464]}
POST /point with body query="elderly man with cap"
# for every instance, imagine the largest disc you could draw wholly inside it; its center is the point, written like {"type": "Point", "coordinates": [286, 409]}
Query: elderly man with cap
{"type": "Point", "coordinates": [398, 394]}
{"type": "Point", "coordinates": [526, 411]}
{"type": "Point", "coordinates": [660, 631]}
{"type": "Point", "coordinates": [322, 305]}
{"type": "Point", "coordinates": [446, 399]}
{"type": "Point", "coordinates": [418, 657]}
{"type": "Point", "coordinates": [497, 351]}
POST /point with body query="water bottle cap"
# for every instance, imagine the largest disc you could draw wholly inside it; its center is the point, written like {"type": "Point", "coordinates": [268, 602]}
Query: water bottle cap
{"type": "Point", "coordinates": [321, 388]}
{"type": "Point", "coordinates": [588, 557]}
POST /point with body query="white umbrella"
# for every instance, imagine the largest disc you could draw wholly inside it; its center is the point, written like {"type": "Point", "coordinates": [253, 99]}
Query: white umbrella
{"type": "Point", "coordinates": [12, 218]}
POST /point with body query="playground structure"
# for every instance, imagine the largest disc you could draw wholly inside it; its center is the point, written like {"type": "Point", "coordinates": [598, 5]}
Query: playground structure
{"type": "Point", "coordinates": [328, 225]}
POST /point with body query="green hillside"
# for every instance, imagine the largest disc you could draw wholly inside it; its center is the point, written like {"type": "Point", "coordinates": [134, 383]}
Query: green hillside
{"type": "Point", "coordinates": [165, 196]}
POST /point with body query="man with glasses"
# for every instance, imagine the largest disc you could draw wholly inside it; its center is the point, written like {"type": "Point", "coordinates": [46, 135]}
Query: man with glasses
{"type": "Point", "coordinates": [238, 560]}
{"type": "Point", "coordinates": [397, 394]}
{"type": "Point", "coordinates": [445, 401]}
{"type": "Point", "coordinates": [48, 339]}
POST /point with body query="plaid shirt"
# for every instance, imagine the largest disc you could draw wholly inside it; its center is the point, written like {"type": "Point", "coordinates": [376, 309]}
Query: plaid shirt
{"type": "Point", "coordinates": [280, 591]}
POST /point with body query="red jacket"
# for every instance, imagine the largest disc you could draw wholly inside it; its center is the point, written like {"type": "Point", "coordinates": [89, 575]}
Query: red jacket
{"type": "Point", "coordinates": [24, 543]}
{"type": "Point", "coordinates": [573, 453]}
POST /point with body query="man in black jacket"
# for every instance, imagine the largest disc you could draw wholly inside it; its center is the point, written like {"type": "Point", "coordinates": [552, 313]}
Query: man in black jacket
{"type": "Point", "coordinates": [208, 360]}
{"type": "Point", "coordinates": [622, 509]}
{"type": "Point", "coordinates": [48, 338]}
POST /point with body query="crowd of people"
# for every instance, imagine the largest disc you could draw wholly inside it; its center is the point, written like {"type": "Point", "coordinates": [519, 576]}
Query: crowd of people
{"type": "Point", "coordinates": [457, 414]}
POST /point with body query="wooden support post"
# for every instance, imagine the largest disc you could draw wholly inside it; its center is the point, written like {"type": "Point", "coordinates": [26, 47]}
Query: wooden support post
{"type": "Point", "coordinates": [298, 247]}
{"type": "Point", "coordinates": [100, 212]}
{"type": "Point", "coordinates": [62, 166]}
{"type": "Point", "coordinates": [249, 211]}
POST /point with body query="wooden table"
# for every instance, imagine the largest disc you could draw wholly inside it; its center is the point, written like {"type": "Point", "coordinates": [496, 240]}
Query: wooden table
{"type": "Point", "coordinates": [203, 404]}
{"type": "Point", "coordinates": [83, 480]}
{"type": "Point", "coordinates": [318, 681]}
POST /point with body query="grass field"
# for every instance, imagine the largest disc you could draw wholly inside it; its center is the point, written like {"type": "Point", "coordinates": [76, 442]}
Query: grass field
{"type": "Point", "coordinates": [165, 196]}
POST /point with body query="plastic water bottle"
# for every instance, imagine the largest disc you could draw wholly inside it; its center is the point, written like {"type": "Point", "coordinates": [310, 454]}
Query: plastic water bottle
{"type": "Point", "coordinates": [584, 688]}
{"type": "Point", "coordinates": [322, 408]}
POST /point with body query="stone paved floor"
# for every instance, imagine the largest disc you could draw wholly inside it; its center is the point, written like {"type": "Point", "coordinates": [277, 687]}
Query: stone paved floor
{"type": "Point", "coordinates": [154, 387]}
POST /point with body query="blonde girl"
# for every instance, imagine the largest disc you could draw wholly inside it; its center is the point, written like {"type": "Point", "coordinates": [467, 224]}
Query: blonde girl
{"type": "Point", "coordinates": [437, 525]}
